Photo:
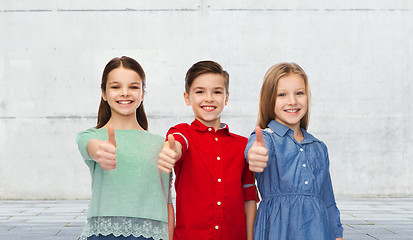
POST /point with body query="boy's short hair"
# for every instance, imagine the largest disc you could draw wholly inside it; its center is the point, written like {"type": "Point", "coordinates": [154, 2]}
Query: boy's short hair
{"type": "Point", "coordinates": [203, 67]}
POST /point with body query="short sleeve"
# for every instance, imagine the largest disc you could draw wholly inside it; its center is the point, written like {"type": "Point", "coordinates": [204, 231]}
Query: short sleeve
{"type": "Point", "coordinates": [179, 135]}
{"type": "Point", "coordinates": [82, 139]}
{"type": "Point", "coordinates": [248, 185]}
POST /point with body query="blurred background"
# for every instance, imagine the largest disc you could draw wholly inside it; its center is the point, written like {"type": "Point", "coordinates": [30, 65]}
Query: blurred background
{"type": "Point", "coordinates": [358, 56]}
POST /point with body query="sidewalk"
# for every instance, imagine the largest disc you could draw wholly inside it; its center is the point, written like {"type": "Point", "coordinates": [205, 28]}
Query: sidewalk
{"type": "Point", "coordinates": [362, 218]}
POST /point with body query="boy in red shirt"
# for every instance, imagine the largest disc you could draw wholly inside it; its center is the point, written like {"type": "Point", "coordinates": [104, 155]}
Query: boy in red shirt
{"type": "Point", "coordinates": [216, 196]}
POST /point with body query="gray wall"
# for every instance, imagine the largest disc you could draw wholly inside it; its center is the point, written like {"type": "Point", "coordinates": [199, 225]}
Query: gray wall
{"type": "Point", "coordinates": [358, 55]}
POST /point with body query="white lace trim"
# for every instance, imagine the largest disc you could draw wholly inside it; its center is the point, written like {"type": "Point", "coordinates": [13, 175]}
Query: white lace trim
{"type": "Point", "coordinates": [125, 226]}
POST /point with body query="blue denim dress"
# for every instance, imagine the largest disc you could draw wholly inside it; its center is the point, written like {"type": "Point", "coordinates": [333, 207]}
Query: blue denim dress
{"type": "Point", "coordinates": [297, 194]}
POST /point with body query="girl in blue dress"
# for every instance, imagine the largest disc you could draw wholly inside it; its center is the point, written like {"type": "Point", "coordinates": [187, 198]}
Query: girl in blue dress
{"type": "Point", "coordinates": [291, 165]}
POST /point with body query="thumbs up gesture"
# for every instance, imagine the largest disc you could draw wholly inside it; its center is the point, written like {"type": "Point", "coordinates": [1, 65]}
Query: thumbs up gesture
{"type": "Point", "coordinates": [106, 152]}
{"type": "Point", "coordinates": [170, 153]}
{"type": "Point", "coordinates": [258, 153]}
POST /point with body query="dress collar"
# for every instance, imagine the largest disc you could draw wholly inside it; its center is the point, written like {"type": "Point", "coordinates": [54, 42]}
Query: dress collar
{"type": "Point", "coordinates": [278, 128]}
{"type": "Point", "coordinates": [281, 130]}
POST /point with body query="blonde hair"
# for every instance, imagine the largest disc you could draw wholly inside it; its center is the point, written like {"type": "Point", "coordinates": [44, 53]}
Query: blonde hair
{"type": "Point", "coordinates": [268, 93]}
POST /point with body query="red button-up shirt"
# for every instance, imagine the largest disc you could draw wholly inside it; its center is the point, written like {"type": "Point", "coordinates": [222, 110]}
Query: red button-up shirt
{"type": "Point", "coordinates": [212, 183]}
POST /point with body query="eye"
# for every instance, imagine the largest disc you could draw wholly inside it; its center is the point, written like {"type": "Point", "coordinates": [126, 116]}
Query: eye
{"type": "Point", "coordinates": [301, 93]}
{"type": "Point", "coordinates": [114, 87]}
{"type": "Point", "coordinates": [135, 87]}
{"type": "Point", "coordinates": [199, 92]}
{"type": "Point", "coordinates": [281, 95]}
{"type": "Point", "coordinates": [218, 92]}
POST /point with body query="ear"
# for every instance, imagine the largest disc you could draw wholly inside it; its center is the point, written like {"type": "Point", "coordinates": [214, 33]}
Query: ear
{"type": "Point", "coordinates": [104, 95]}
{"type": "Point", "coordinates": [143, 96]}
{"type": "Point", "coordinates": [186, 97]}
{"type": "Point", "coordinates": [226, 98]}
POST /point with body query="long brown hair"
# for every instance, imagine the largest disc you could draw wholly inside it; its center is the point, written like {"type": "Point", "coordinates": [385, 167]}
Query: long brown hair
{"type": "Point", "coordinates": [268, 93]}
{"type": "Point", "coordinates": [104, 112]}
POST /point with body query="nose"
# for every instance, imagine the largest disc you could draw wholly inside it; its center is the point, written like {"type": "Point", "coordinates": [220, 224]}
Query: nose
{"type": "Point", "coordinates": [125, 92]}
{"type": "Point", "coordinates": [292, 100]}
{"type": "Point", "coordinates": [208, 97]}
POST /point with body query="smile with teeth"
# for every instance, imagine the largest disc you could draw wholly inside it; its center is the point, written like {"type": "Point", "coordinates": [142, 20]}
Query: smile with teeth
{"type": "Point", "coordinates": [124, 102]}
{"type": "Point", "coordinates": [292, 110]}
{"type": "Point", "coordinates": [208, 108]}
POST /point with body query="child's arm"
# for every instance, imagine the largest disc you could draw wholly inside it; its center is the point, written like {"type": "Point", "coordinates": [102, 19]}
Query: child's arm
{"type": "Point", "coordinates": [250, 212]}
{"type": "Point", "coordinates": [104, 152]}
{"type": "Point", "coordinates": [258, 153]}
{"type": "Point", "coordinates": [170, 153]}
{"type": "Point", "coordinates": [171, 220]}
{"type": "Point", "coordinates": [332, 210]}
{"type": "Point", "coordinates": [327, 195]}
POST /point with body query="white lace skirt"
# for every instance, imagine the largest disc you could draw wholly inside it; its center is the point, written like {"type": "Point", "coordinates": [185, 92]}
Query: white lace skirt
{"type": "Point", "coordinates": [125, 226]}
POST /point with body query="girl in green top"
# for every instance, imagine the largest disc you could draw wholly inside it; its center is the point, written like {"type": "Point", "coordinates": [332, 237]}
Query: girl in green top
{"type": "Point", "coordinates": [130, 197]}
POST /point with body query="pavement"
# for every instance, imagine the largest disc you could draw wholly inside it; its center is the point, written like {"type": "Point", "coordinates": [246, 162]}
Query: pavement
{"type": "Point", "coordinates": [362, 218]}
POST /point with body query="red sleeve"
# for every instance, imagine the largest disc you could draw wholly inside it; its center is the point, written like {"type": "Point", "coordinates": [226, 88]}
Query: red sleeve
{"type": "Point", "coordinates": [248, 184]}
{"type": "Point", "coordinates": [179, 133]}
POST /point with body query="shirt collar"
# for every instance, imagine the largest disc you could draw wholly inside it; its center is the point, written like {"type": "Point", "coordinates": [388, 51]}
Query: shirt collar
{"type": "Point", "coordinates": [278, 128]}
{"type": "Point", "coordinates": [308, 138]}
{"type": "Point", "coordinates": [281, 130]}
{"type": "Point", "coordinates": [198, 125]}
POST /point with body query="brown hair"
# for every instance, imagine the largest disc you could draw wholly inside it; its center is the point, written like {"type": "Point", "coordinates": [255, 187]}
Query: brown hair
{"type": "Point", "coordinates": [203, 67]}
{"type": "Point", "coordinates": [268, 93]}
{"type": "Point", "coordinates": [104, 112]}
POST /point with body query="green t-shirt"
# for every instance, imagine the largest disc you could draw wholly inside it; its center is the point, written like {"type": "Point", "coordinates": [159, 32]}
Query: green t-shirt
{"type": "Point", "coordinates": [136, 188]}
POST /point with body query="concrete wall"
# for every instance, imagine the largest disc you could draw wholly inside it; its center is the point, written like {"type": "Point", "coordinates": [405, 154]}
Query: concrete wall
{"type": "Point", "coordinates": [358, 55]}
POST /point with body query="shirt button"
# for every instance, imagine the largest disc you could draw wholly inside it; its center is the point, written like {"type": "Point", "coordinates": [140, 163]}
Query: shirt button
{"type": "Point", "coordinates": [219, 180]}
{"type": "Point", "coordinates": [218, 158]}
{"type": "Point", "coordinates": [216, 227]}
{"type": "Point", "coordinates": [216, 139]}
{"type": "Point", "coordinates": [306, 182]}
{"type": "Point", "coordinates": [301, 149]}
{"type": "Point", "coordinates": [219, 203]}
{"type": "Point", "coordinates": [209, 129]}
{"type": "Point", "coordinates": [304, 165]}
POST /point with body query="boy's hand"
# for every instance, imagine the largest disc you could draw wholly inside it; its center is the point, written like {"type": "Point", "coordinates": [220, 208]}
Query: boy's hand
{"type": "Point", "coordinates": [106, 153]}
{"type": "Point", "coordinates": [258, 153]}
{"type": "Point", "coordinates": [169, 154]}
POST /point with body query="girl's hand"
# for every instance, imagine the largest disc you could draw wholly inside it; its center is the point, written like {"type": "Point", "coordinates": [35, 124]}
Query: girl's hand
{"type": "Point", "coordinates": [170, 153]}
{"type": "Point", "coordinates": [258, 153]}
{"type": "Point", "coordinates": [106, 152]}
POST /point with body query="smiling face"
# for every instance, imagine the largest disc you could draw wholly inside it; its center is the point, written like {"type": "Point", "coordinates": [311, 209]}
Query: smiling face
{"type": "Point", "coordinates": [291, 103]}
{"type": "Point", "coordinates": [207, 96]}
{"type": "Point", "coordinates": [124, 92]}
